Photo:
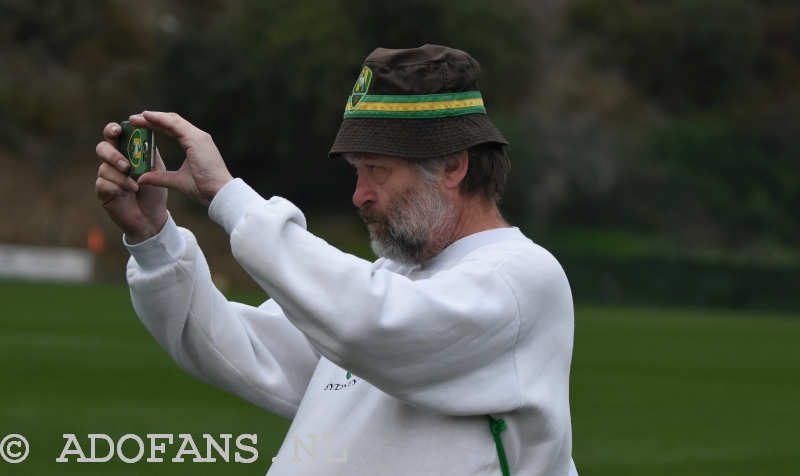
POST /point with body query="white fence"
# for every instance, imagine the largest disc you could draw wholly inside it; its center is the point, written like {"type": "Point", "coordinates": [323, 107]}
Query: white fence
{"type": "Point", "coordinates": [39, 263]}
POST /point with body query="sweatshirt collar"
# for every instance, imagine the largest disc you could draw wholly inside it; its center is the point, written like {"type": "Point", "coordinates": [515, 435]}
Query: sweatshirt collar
{"type": "Point", "coordinates": [470, 243]}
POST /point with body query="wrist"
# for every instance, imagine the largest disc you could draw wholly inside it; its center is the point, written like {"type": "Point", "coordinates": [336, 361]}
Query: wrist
{"type": "Point", "coordinates": [151, 229]}
{"type": "Point", "coordinates": [218, 184]}
{"type": "Point", "coordinates": [160, 251]}
{"type": "Point", "coordinates": [224, 181]}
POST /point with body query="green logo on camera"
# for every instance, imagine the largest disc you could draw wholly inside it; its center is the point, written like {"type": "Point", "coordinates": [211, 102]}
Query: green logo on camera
{"type": "Point", "coordinates": [135, 148]}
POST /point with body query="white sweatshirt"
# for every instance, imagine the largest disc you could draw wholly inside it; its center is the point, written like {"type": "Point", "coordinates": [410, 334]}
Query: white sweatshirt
{"type": "Point", "coordinates": [396, 366]}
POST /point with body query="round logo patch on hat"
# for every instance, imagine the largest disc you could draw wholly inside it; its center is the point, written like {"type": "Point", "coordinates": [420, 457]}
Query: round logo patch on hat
{"type": "Point", "coordinates": [361, 87]}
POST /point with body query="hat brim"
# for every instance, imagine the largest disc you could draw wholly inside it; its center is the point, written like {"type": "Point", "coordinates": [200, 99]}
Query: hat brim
{"type": "Point", "coordinates": [415, 138]}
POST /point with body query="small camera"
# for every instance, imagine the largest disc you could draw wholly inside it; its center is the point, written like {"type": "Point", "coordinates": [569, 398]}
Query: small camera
{"type": "Point", "coordinates": [138, 146]}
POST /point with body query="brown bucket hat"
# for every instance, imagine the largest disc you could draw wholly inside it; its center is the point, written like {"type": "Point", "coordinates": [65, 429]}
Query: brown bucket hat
{"type": "Point", "coordinates": [416, 103]}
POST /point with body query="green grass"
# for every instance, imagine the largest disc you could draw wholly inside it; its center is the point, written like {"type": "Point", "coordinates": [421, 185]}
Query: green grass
{"type": "Point", "coordinates": [668, 392]}
{"type": "Point", "coordinates": [75, 359]}
{"type": "Point", "coordinates": [654, 392]}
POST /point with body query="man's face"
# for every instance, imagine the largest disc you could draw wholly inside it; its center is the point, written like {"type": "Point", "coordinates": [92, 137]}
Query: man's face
{"type": "Point", "coordinates": [408, 218]}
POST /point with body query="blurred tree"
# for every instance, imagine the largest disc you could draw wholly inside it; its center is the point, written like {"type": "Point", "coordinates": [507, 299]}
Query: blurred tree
{"type": "Point", "coordinates": [742, 181]}
{"type": "Point", "coordinates": [70, 66]}
{"type": "Point", "coordinates": [65, 64]}
{"type": "Point", "coordinates": [779, 63]}
{"type": "Point", "coordinates": [689, 54]}
{"type": "Point", "coordinates": [722, 163]}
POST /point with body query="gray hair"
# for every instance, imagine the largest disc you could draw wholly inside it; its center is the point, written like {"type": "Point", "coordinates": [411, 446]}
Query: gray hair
{"type": "Point", "coordinates": [486, 175]}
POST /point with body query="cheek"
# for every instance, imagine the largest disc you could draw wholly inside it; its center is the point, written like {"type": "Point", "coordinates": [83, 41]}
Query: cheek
{"type": "Point", "coordinates": [396, 190]}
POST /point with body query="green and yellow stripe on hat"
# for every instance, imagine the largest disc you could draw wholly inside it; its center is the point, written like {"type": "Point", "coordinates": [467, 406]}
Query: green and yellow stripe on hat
{"type": "Point", "coordinates": [423, 106]}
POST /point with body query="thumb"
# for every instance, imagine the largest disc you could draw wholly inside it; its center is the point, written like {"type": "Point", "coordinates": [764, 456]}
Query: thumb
{"type": "Point", "coordinates": [159, 178]}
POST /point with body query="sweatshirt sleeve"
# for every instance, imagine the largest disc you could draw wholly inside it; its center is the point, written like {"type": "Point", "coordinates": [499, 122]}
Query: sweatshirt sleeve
{"type": "Point", "coordinates": [255, 353]}
{"type": "Point", "coordinates": [444, 344]}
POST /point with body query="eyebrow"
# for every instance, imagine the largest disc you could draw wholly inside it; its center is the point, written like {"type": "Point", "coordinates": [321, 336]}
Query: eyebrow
{"type": "Point", "coordinates": [355, 158]}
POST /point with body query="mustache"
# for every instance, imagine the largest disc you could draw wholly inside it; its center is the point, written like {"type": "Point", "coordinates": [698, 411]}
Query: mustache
{"type": "Point", "coordinates": [370, 215]}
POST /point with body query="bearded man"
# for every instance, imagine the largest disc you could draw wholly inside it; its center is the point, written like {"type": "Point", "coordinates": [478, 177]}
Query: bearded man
{"type": "Point", "coordinates": [449, 355]}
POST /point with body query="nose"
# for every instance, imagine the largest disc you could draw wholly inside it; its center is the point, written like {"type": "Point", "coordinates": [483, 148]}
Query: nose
{"type": "Point", "coordinates": [364, 193]}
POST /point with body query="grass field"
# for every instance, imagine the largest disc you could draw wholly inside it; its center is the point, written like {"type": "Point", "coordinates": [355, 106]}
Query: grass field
{"type": "Point", "coordinates": [654, 392]}
{"type": "Point", "coordinates": [668, 392]}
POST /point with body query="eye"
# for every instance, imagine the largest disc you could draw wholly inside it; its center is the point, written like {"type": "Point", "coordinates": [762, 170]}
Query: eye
{"type": "Point", "coordinates": [374, 168]}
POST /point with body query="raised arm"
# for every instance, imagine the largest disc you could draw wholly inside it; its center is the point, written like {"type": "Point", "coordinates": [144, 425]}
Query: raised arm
{"type": "Point", "coordinates": [252, 352]}
{"type": "Point", "coordinates": [255, 353]}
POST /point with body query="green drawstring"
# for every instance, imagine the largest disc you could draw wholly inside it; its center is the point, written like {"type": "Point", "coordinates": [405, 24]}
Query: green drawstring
{"type": "Point", "coordinates": [497, 426]}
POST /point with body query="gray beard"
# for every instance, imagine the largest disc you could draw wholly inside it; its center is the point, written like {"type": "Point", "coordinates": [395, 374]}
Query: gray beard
{"type": "Point", "coordinates": [416, 226]}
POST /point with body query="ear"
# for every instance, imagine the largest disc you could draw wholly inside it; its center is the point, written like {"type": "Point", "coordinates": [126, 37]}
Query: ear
{"type": "Point", "coordinates": [457, 170]}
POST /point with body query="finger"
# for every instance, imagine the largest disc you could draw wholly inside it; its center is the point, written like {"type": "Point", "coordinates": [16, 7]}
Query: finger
{"type": "Point", "coordinates": [105, 189]}
{"type": "Point", "coordinates": [159, 178]}
{"type": "Point", "coordinates": [159, 162]}
{"type": "Point", "coordinates": [110, 173]}
{"type": "Point", "coordinates": [112, 131]}
{"type": "Point", "coordinates": [109, 153]}
{"type": "Point", "coordinates": [168, 122]}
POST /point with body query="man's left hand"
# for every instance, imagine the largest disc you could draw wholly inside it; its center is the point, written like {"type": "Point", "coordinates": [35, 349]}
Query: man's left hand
{"type": "Point", "coordinates": [202, 174]}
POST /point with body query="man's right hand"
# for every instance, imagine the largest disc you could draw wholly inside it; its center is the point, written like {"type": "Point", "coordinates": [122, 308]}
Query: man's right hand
{"type": "Point", "coordinates": [139, 210]}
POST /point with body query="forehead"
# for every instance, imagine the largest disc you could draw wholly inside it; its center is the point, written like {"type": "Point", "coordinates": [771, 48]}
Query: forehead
{"type": "Point", "coordinates": [355, 158]}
